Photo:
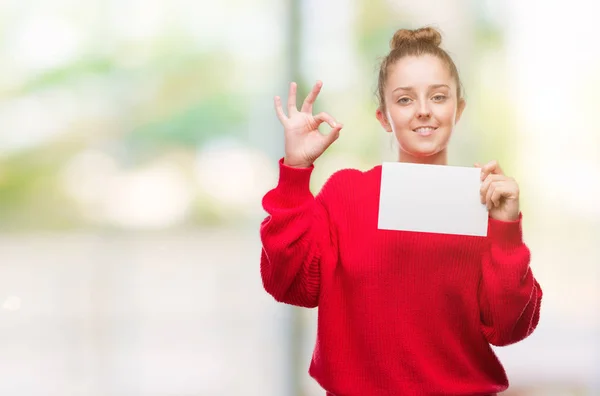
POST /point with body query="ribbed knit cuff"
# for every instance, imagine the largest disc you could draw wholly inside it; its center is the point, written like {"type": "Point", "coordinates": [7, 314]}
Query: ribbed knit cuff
{"type": "Point", "coordinates": [507, 234]}
{"type": "Point", "coordinates": [294, 183]}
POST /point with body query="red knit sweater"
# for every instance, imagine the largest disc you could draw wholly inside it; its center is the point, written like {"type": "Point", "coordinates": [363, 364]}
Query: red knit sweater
{"type": "Point", "coordinates": [399, 313]}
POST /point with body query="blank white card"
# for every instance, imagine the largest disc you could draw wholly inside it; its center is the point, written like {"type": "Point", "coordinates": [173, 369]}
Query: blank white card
{"type": "Point", "coordinates": [431, 198]}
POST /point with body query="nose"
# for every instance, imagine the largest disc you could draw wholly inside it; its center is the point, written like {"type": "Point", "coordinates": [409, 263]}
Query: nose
{"type": "Point", "coordinates": [423, 111]}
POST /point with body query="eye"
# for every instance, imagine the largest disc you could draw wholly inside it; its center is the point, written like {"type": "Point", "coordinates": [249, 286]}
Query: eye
{"type": "Point", "coordinates": [404, 100]}
{"type": "Point", "coordinates": [439, 98]}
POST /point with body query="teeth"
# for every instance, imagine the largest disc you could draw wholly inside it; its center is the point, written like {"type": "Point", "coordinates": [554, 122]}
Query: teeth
{"type": "Point", "coordinates": [424, 130]}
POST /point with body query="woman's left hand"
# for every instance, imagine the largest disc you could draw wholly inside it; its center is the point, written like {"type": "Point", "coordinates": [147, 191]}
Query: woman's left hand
{"type": "Point", "coordinates": [499, 193]}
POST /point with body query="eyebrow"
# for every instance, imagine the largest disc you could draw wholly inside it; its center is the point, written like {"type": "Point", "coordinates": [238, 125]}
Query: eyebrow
{"type": "Point", "coordinates": [431, 86]}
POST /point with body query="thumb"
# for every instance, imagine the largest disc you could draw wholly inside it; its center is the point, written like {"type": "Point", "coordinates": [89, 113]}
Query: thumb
{"type": "Point", "coordinates": [333, 134]}
{"type": "Point", "coordinates": [324, 117]}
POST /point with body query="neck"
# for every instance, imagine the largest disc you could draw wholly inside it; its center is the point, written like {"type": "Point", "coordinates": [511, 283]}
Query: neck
{"type": "Point", "coordinates": [440, 158]}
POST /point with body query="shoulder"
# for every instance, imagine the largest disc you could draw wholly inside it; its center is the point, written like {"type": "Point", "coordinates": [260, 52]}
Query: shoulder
{"type": "Point", "coordinates": [347, 180]}
{"type": "Point", "coordinates": [348, 175]}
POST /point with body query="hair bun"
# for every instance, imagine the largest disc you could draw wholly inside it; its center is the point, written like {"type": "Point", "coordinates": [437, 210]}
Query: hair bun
{"type": "Point", "coordinates": [426, 35]}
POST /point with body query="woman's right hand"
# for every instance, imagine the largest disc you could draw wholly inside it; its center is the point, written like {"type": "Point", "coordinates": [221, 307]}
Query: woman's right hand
{"type": "Point", "coordinates": [303, 141]}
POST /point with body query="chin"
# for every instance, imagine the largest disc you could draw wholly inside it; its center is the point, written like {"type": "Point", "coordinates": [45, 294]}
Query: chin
{"type": "Point", "coordinates": [423, 152]}
{"type": "Point", "coordinates": [423, 147]}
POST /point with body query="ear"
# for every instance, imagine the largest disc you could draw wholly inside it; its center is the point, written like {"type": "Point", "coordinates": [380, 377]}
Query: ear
{"type": "Point", "coordinates": [459, 110]}
{"type": "Point", "coordinates": [383, 120]}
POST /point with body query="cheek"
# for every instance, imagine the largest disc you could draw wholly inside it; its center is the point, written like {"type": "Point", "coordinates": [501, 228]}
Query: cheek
{"type": "Point", "coordinates": [402, 116]}
{"type": "Point", "coordinates": [446, 114]}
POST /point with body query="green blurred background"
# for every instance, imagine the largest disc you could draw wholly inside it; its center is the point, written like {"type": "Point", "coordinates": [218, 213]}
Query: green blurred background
{"type": "Point", "coordinates": [138, 137]}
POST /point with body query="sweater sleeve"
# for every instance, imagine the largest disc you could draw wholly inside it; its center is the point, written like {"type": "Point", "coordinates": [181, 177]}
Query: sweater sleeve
{"type": "Point", "coordinates": [510, 296]}
{"type": "Point", "coordinates": [296, 238]}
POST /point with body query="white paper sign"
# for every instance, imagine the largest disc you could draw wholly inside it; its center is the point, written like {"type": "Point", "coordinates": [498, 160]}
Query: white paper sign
{"type": "Point", "coordinates": [431, 198]}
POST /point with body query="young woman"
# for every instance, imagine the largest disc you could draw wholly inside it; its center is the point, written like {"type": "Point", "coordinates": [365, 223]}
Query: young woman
{"type": "Point", "coordinates": [400, 313]}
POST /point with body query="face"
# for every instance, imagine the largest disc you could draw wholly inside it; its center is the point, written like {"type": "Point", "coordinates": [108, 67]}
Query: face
{"type": "Point", "coordinates": [421, 106]}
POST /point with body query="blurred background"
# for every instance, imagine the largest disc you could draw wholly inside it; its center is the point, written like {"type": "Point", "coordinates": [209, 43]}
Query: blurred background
{"type": "Point", "coordinates": [137, 139]}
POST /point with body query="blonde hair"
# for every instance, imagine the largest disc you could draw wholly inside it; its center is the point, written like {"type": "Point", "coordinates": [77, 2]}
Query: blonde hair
{"type": "Point", "coordinates": [415, 42]}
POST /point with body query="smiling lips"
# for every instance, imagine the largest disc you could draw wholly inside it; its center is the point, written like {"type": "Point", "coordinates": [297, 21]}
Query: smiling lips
{"type": "Point", "coordinates": [425, 131]}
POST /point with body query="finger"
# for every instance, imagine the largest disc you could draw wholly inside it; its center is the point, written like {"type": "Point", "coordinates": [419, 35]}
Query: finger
{"type": "Point", "coordinates": [487, 169]}
{"type": "Point", "coordinates": [491, 167]}
{"type": "Point", "coordinates": [493, 177]}
{"type": "Point", "coordinates": [307, 106]}
{"type": "Point", "coordinates": [488, 196]}
{"type": "Point", "coordinates": [497, 195]}
{"type": "Point", "coordinates": [486, 184]}
{"type": "Point", "coordinates": [292, 98]}
{"type": "Point", "coordinates": [279, 109]}
{"type": "Point", "coordinates": [477, 165]}
{"type": "Point", "coordinates": [483, 191]}
{"type": "Point", "coordinates": [324, 117]}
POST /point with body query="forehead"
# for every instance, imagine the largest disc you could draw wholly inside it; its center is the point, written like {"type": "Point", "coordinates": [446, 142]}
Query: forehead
{"type": "Point", "coordinates": [424, 70]}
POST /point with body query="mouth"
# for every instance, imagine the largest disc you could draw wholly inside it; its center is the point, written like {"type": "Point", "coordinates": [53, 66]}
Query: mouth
{"type": "Point", "coordinates": [425, 130]}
